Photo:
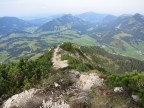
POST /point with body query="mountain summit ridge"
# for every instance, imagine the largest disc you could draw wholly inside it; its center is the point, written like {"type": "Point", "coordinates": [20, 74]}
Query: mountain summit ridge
{"type": "Point", "coordinates": [63, 23]}
{"type": "Point", "coordinates": [83, 82]}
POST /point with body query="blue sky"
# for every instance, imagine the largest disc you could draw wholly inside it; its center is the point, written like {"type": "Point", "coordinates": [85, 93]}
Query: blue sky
{"type": "Point", "coordinates": [37, 7]}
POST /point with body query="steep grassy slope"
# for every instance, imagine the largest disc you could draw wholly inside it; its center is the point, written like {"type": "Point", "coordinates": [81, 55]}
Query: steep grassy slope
{"type": "Point", "coordinates": [97, 58]}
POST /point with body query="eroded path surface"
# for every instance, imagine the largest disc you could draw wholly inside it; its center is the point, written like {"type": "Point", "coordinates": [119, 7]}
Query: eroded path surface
{"type": "Point", "coordinates": [56, 59]}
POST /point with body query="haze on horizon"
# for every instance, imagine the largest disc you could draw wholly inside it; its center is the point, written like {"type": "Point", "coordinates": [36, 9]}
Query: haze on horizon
{"type": "Point", "coordinates": [37, 7]}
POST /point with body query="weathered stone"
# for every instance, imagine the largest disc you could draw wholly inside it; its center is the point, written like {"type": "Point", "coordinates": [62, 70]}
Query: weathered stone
{"type": "Point", "coordinates": [58, 104]}
{"type": "Point", "coordinates": [118, 89]}
{"type": "Point", "coordinates": [56, 84]}
{"type": "Point", "coordinates": [19, 100]}
{"type": "Point", "coordinates": [86, 81]}
{"type": "Point", "coordinates": [136, 98]}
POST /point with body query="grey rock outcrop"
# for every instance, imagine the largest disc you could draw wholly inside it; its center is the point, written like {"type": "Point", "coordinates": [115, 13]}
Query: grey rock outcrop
{"type": "Point", "coordinates": [53, 97]}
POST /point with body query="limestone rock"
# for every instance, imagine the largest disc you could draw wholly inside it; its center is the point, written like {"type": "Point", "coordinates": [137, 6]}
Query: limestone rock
{"type": "Point", "coordinates": [58, 104]}
{"type": "Point", "coordinates": [86, 81]}
{"type": "Point", "coordinates": [136, 98]}
{"type": "Point", "coordinates": [118, 89]}
{"type": "Point", "coordinates": [19, 100]}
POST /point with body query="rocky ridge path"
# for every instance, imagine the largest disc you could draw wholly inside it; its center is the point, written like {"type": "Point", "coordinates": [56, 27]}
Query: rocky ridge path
{"type": "Point", "coordinates": [53, 97]}
{"type": "Point", "coordinates": [56, 59]}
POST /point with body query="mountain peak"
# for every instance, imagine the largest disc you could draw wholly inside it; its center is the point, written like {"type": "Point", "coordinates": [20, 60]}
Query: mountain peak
{"type": "Point", "coordinates": [139, 17]}
{"type": "Point", "coordinates": [92, 17]}
{"type": "Point", "coordinates": [67, 21]}
{"type": "Point", "coordinates": [67, 18]}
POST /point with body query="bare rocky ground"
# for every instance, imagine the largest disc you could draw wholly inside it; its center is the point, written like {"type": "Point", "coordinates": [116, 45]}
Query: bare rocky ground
{"type": "Point", "coordinates": [56, 59]}
{"type": "Point", "coordinates": [55, 96]}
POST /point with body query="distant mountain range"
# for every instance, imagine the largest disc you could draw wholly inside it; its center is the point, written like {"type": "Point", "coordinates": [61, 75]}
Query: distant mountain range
{"type": "Point", "coordinates": [122, 35]}
{"type": "Point", "coordinates": [95, 17]}
{"type": "Point", "coordinates": [12, 24]}
{"type": "Point", "coordinates": [41, 21]}
{"type": "Point", "coordinates": [125, 33]}
{"type": "Point", "coordinates": [65, 22]}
